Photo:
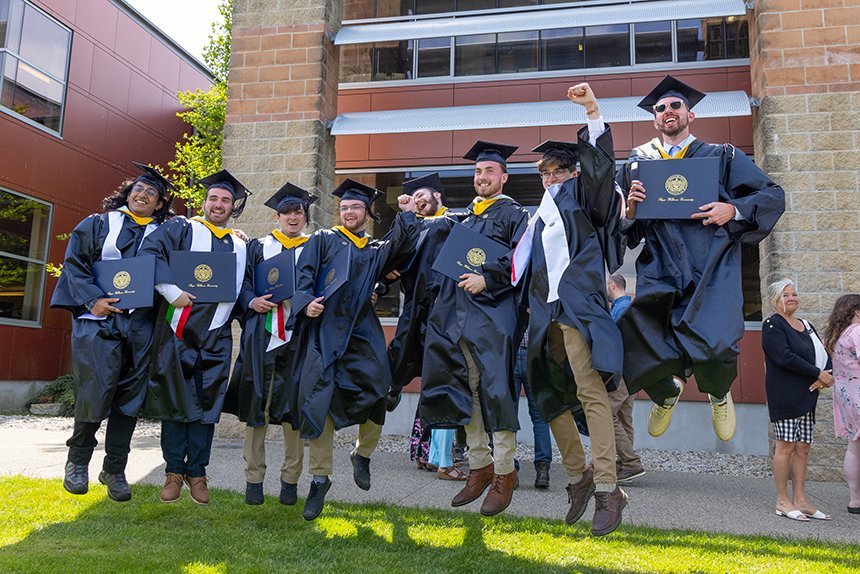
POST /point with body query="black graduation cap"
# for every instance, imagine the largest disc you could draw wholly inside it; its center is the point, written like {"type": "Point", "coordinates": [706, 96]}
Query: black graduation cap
{"type": "Point", "coordinates": [351, 189]}
{"type": "Point", "coordinates": [489, 151]}
{"type": "Point", "coordinates": [225, 180]}
{"type": "Point", "coordinates": [151, 176]}
{"type": "Point", "coordinates": [559, 148]}
{"type": "Point", "coordinates": [671, 86]}
{"type": "Point", "coordinates": [290, 194]}
{"type": "Point", "coordinates": [432, 180]}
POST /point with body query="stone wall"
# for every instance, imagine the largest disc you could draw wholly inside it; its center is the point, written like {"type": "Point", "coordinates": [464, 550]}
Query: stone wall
{"type": "Point", "coordinates": [805, 66]}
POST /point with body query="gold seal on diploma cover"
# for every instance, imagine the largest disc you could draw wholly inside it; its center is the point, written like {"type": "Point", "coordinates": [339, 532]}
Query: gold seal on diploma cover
{"type": "Point", "coordinates": [330, 276]}
{"type": "Point", "coordinates": [273, 276]}
{"type": "Point", "coordinates": [676, 184]}
{"type": "Point", "coordinates": [476, 256]}
{"type": "Point", "coordinates": [121, 280]}
{"type": "Point", "coordinates": [203, 273]}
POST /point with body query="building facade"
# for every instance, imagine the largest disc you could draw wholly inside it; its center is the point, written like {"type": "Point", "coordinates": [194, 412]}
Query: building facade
{"type": "Point", "coordinates": [87, 87]}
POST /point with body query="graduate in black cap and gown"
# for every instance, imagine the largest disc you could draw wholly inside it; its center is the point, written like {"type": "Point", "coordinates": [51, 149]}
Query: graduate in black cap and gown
{"type": "Point", "coordinates": [471, 340]}
{"type": "Point", "coordinates": [418, 282]}
{"type": "Point", "coordinates": [261, 388]}
{"type": "Point", "coordinates": [193, 341]}
{"type": "Point", "coordinates": [575, 353]}
{"type": "Point", "coordinates": [687, 316]}
{"type": "Point", "coordinates": [110, 347]}
{"type": "Point", "coordinates": [342, 371]}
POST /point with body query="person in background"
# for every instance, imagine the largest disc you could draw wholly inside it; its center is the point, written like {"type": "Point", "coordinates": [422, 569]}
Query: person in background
{"type": "Point", "coordinates": [843, 343]}
{"type": "Point", "coordinates": [542, 440]}
{"type": "Point", "coordinates": [796, 366]}
{"type": "Point", "coordinates": [629, 465]}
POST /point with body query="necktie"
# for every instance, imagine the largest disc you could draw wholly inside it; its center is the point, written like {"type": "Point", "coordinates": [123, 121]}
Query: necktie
{"type": "Point", "coordinates": [674, 150]}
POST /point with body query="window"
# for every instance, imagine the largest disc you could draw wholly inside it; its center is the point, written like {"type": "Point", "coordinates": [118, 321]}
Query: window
{"type": "Point", "coordinates": [34, 58]}
{"type": "Point", "coordinates": [653, 42]}
{"type": "Point", "coordinates": [607, 46]}
{"type": "Point", "coordinates": [737, 38]}
{"type": "Point", "coordinates": [434, 57]}
{"type": "Point", "coordinates": [562, 49]}
{"type": "Point", "coordinates": [24, 227]}
{"type": "Point", "coordinates": [517, 52]}
{"type": "Point", "coordinates": [475, 55]}
{"type": "Point", "coordinates": [392, 60]}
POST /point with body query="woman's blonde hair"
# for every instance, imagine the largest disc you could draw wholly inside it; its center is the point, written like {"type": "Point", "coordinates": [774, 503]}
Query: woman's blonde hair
{"type": "Point", "coordinates": [774, 293]}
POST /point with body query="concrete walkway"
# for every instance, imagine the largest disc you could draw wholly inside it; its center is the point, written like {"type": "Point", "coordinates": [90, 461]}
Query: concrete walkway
{"type": "Point", "coordinates": [666, 500]}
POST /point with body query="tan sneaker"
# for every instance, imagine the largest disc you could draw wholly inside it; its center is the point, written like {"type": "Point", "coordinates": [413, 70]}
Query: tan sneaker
{"type": "Point", "coordinates": [172, 487]}
{"type": "Point", "coordinates": [660, 417]}
{"type": "Point", "coordinates": [724, 419]}
{"type": "Point", "coordinates": [199, 489]}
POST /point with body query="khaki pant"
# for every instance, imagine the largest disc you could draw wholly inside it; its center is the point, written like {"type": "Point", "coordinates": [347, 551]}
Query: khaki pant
{"type": "Point", "coordinates": [621, 404]}
{"type": "Point", "coordinates": [504, 442]}
{"type": "Point", "coordinates": [368, 437]}
{"type": "Point", "coordinates": [567, 342]}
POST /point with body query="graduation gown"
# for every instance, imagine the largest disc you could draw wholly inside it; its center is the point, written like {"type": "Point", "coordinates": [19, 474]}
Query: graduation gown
{"type": "Point", "coordinates": [188, 376]}
{"type": "Point", "coordinates": [257, 368]}
{"type": "Point", "coordinates": [110, 357]}
{"type": "Point", "coordinates": [341, 368]}
{"type": "Point", "coordinates": [586, 205]}
{"type": "Point", "coordinates": [687, 314]}
{"type": "Point", "coordinates": [420, 287]}
{"type": "Point", "coordinates": [488, 323]}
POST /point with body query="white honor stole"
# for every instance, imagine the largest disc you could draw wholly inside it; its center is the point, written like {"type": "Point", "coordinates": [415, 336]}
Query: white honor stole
{"type": "Point", "coordinates": [556, 250]}
{"type": "Point", "coordinates": [201, 240]}
{"type": "Point", "coordinates": [110, 251]}
{"type": "Point", "coordinates": [276, 318]}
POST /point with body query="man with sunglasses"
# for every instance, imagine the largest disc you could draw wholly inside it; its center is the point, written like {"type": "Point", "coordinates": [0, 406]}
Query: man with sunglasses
{"type": "Point", "coordinates": [110, 347]}
{"type": "Point", "coordinates": [687, 317]}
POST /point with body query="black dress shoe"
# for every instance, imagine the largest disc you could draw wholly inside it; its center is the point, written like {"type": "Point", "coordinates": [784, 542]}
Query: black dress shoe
{"type": "Point", "coordinates": [117, 485]}
{"type": "Point", "coordinates": [254, 493]}
{"type": "Point", "coordinates": [316, 499]}
{"type": "Point", "coordinates": [288, 494]}
{"type": "Point", "coordinates": [360, 470]}
{"type": "Point", "coordinates": [77, 480]}
{"type": "Point", "coordinates": [542, 474]}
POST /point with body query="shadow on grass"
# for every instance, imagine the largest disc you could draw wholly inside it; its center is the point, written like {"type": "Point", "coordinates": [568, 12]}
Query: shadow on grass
{"type": "Point", "coordinates": [52, 531]}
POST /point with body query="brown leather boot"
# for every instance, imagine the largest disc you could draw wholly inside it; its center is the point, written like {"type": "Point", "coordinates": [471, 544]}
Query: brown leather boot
{"type": "Point", "coordinates": [172, 487]}
{"type": "Point", "coordinates": [478, 481]}
{"type": "Point", "coordinates": [199, 489]}
{"type": "Point", "coordinates": [607, 511]}
{"type": "Point", "coordinates": [500, 493]}
{"type": "Point", "coordinates": [578, 495]}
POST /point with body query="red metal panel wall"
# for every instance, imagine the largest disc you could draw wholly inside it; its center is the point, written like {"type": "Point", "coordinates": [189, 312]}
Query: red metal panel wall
{"type": "Point", "coordinates": [120, 106]}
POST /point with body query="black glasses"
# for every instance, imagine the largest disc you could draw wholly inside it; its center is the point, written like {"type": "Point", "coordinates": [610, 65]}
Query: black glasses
{"type": "Point", "coordinates": [660, 108]}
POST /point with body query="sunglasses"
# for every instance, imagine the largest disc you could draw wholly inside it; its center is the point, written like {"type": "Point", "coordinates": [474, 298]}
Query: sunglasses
{"type": "Point", "coordinates": [660, 108]}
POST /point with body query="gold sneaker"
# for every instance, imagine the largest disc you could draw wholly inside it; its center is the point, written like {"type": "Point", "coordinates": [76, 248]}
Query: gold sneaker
{"type": "Point", "coordinates": [660, 417]}
{"type": "Point", "coordinates": [724, 419]}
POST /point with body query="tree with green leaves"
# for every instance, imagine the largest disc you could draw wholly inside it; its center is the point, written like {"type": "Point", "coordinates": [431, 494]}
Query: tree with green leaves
{"type": "Point", "coordinates": [198, 153]}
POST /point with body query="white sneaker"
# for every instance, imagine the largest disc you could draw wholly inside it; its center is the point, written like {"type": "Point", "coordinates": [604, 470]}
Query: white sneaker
{"type": "Point", "coordinates": [660, 417]}
{"type": "Point", "coordinates": [724, 419]}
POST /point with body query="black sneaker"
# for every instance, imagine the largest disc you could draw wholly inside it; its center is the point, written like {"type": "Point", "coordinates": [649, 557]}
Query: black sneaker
{"type": "Point", "coordinates": [254, 493]}
{"type": "Point", "coordinates": [542, 474]}
{"type": "Point", "coordinates": [316, 499]}
{"type": "Point", "coordinates": [360, 470]}
{"type": "Point", "coordinates": [117, 485]}
{"type": "Point", "coordinates": [626, 475]}
{"type": "Point", "coordinates": [288, 494]}
{"type": "Point", "coordinates": [77, 480]}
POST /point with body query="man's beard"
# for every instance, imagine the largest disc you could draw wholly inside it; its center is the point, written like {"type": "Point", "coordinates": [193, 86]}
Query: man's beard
{"type": "Point", "coordinates": [431, 208]}
{"type": "Point", "coordinates": [679, 126]}
{"type": "Point", "coordinates": [490, 190]}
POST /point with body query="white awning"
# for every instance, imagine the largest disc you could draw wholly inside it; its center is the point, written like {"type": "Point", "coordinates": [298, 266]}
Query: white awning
{"type": "Point", "coordinates": [529, 114]}
{"type": "Point", "coordinates": [519, 21]}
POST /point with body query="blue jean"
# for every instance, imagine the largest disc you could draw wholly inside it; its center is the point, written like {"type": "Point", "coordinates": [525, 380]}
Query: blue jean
{"type": "Point", "coordinates": [543, 443]}
{"type": "Point", "coordinates": [186, 447]}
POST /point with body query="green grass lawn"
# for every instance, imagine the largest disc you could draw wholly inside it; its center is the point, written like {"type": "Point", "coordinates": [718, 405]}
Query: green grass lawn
{"type": "Point", "coordinates": [44, 529]}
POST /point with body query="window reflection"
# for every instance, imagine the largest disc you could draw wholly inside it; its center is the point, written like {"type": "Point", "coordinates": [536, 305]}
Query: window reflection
{"type": "Point", "coordinates": [653, 42]}
{"type": "Point", "coordinates": [24, 228]}
{"type": "Point", "coordinates": [44, 44]}
{"type": "Point", "coordinates": [562, 49]}
{"type": "Point", "coordinates": [392, 60]}
{"type": "Point", "coordinates": [607, 46]}
{"type": "Point", "coordinates": [434, 57]}
{"type": "Point", "coordinates": [475, 55]}
{"type": "Point", "coordinates": [517, 52]}
{"type": "Point", "coordinates": [31, 93]}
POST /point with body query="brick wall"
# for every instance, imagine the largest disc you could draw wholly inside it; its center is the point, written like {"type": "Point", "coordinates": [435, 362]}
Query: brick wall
{"type": "Point", "coordinates": [805, 67]}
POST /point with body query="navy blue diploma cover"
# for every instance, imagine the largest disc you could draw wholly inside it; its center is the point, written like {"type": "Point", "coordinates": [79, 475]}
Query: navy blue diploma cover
{"type": "Point", "coordinates": [465, 251]}
{"type": "Point", "coordinates": [676, 188]}
{"type": "Point", "coordinates": [130, 280]}
{"type": "Point", "coordinates": [276, 276]}
{"type": "Point", "coordinates": [330, 277]}
{"type": "Point", "coordinates": [210, 277]}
